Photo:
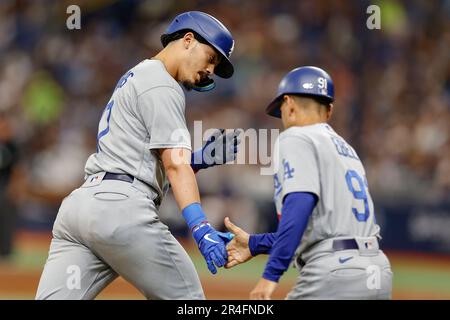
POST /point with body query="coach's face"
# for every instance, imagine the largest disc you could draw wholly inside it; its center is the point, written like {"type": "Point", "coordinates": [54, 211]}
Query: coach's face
{"type": "Point", "coordinates": [199, 61]}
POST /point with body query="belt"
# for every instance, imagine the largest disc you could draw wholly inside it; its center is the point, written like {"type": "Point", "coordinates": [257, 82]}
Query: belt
{"type": "Point", "coordinates": [338, 245]}
{"type": "Point", "coordinates": [345, 244]}
{"type": "Point", "coordinates": [127, 178]}
{"type": "Point", "coordinates": [119, 176]}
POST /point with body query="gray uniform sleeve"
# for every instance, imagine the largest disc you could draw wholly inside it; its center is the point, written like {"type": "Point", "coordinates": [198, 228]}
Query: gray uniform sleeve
{"type": "Point", "coordinates": [298, 166]}
{"type": "Point", "coordinates": [162, 111]}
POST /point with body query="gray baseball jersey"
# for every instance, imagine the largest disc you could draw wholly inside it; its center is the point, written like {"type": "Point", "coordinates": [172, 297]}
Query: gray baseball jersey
{"type": "Point", "coordinates": [145, 114]}
{"type": "Point", "coordinates": [108, 228]}
{"type": "Point", "coordinates": [316, 159]}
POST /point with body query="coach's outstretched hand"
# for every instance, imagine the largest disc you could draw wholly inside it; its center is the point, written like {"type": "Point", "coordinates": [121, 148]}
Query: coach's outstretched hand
{"type": "Point", "coordinates": [211, 244]}
{"type": "Point", "coordinates": [238, 250]}
{"type": "Point", "coordinates": [221, 147]}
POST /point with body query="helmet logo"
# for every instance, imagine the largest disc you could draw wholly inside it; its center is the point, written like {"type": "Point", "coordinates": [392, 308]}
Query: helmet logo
{"type": "Point", "coordinates": [231, 49]}
{"type": "Point", "coordinates": [308, 85]}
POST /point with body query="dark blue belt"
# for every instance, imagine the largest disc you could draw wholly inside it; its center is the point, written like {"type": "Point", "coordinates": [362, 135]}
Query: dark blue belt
{"type": "Point", "coordinates": [338, 245]}
{"type": "Point", "coordinates": [119, 176]}
{"type": "Point", "coordinates": [344, 244]}
{"type": "Point", "coordinates": [128, 178]}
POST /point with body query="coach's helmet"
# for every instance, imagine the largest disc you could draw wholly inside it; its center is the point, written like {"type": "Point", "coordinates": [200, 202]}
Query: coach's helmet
{"type": "Point", "coordinates": [211, 31]}
{"type": "Point", "coordinates": [304, 81]}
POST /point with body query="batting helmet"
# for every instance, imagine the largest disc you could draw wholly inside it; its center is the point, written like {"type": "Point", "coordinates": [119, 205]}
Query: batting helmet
{"type": "Point", "coordinates": [305, 81]}
{"type": "Point", "coordinates": [213, 32]}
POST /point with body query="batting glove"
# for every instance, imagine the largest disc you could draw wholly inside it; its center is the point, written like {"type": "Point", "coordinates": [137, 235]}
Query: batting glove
{"type": "Point", "coordinates": [212, 245]}
{"type": "Point", "coordinates": [210, 242]}
{"type": "Point", "coordinates": [220, 148]}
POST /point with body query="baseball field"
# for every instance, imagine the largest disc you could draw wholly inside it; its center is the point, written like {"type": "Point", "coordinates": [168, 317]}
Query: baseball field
{"type": "Point", "coordinates": [416, 276]}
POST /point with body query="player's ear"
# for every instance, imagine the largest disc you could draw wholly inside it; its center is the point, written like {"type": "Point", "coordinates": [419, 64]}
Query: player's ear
{"type": "Point", "coordinates": [188, 40]}
{"type": "Point", "coordinates": [291, 105]}
{"type": "Point", "coordinates": [289, 101]}
{"type": "Point", "coordinates": [330, 111]}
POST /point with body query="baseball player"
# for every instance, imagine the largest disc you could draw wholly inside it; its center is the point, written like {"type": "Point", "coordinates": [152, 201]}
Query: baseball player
{"type": "Point", "coordinates": [323, 202]}
{"type": "Point", "coordinates": [110, 225]}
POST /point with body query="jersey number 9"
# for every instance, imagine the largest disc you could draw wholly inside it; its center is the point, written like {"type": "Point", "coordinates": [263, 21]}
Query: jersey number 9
{"type": "Point", "coordinates": [360, 194]}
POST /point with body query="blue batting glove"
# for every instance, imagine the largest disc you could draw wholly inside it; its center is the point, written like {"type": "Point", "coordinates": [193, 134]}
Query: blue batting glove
{"type": "Point", "coordinates": [211, 244]}
{"type": "Point", "coordinates": [226, 236]}
{"type": "Point", "coordinates": [221, 147]}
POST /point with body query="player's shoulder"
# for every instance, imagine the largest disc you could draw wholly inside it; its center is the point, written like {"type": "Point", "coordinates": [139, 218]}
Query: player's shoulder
{"type": "Point", "coordinates": [151, 75]}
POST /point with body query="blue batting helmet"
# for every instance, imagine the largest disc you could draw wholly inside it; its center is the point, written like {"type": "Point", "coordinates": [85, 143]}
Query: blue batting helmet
{"type": "Point", "coordinates": [213, 32]}
{"type": "Point", "coordinates": [305, 81]}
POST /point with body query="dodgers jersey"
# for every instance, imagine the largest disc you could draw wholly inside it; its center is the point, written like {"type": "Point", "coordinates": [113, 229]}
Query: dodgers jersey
{"type": "Point", "coordinates": [316, 159]}
{"type": "Point", "coordinates": [146, 112]}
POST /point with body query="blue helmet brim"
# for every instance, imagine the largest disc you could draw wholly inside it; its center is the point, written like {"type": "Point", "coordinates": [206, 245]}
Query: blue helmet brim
{"type": "Point", "coordinates": [225, 68]}
{"type": "Point", "coordinates": [273, 109]}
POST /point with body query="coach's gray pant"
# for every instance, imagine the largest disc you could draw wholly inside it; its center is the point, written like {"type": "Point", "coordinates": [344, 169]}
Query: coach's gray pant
{"type": "Point", "coordinates": [359, 274]}
{"type": "Point", "coordinates": [110, 228]}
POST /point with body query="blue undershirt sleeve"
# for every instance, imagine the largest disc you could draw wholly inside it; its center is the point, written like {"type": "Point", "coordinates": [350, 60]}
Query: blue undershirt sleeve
{"type": "Point", "coordinates": [261, 243]}
{"type": "Point", "coordinates": [297, 209]}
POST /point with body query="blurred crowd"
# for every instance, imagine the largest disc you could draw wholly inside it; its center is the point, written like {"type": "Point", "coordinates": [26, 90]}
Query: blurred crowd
{"type": "Point", "coordinates": [392, 94]}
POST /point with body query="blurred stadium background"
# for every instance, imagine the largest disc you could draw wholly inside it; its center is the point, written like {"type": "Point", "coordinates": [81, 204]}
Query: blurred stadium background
{"type": "Point", "coordinates": [392, 105]}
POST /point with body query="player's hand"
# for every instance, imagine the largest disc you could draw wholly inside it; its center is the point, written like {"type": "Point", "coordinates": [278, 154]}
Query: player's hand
{"type": "Point", "coordinates": [263, 290]}
{"type": "Point", "coordinates": [221, 147]}
{"type": "Point", "coordinates": [211, 244]}
{"type": "Point", "coordinates": [238, 250]}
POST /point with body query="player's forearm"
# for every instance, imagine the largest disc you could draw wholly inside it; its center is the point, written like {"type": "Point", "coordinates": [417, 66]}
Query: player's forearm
{"type": "Point", "coordinates": [261, 243]}
{"type": "Point", "coordinates": [181, 177]}
{"type": "Point", "coordinates": [184, 185]}
{"type": "Point", "coordinates": [297, 209]}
